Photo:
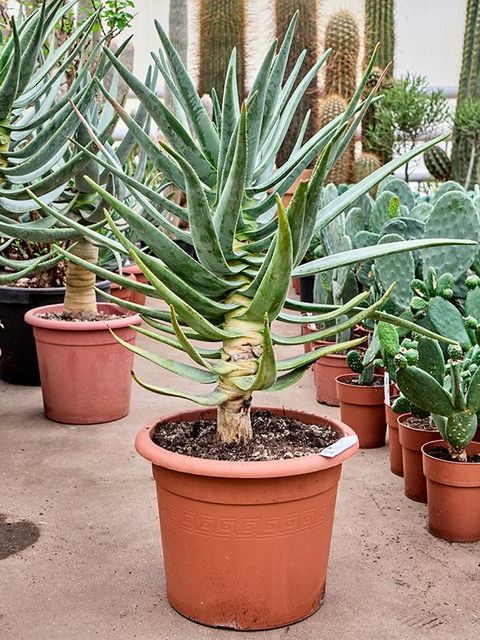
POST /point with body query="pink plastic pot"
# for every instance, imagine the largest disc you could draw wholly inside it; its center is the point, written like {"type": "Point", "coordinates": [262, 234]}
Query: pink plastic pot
{"type": "Point", "coordinates": [136, 297]}
{"type": "Point", "coordinates": [84, 371]}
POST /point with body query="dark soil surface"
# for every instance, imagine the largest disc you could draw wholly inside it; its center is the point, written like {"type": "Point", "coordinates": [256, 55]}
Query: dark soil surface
{"type": "Point", "coordinates": [356, 381]}
{"type": "Point", "coordinates": [420, 423]}
{"type": "Point", "coordinates": [443, 454]}
{"type": "Point", "coordinates": [274, 438]}
{"type": "Point", "coordinates": [84, 316]}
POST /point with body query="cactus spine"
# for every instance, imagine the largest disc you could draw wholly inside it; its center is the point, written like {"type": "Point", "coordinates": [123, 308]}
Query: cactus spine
{"type": "Point", "coordinates": [379, 28]}
{"type": "Point", "coordinates": [342, 36]}
{"type": "Point", "coordinates": [438, 163]}
{"type": "Point", "coordinates": [222, 27]}
{"type": "Point", "coordinates": [364, 165]}
{"type": "Point", "coordinates": [331, 107]}
{"type": "Point", "coordinates": [306, 38]}
{"type": "Point", "coordinates": [469, 87]}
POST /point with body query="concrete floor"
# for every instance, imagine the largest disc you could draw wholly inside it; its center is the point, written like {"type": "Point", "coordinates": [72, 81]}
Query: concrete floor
{"type": "Point", "coordinates": [86, 500]}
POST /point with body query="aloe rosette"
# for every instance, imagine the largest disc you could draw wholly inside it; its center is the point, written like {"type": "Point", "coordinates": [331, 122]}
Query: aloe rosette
{"type": "Point", "coordinates": [248, 246]}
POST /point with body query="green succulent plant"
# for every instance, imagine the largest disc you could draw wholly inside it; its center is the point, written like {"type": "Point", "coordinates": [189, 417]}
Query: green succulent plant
{"type": "Point", "coordinates": [449, 391]}
{"type": "Point", "coordinates": [384, 345]}
{"type": "Point", "coordinates": [38, 158]}
{"type": "Point", "coordinates": [248, 245]}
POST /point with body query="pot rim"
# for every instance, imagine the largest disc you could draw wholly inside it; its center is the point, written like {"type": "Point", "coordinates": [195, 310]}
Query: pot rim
{"type": "Point", "coordinates": [437, 443]}
{"type": "Point", "coordinates": [31, 318]}
{"type": "Point", "coordinates": [240, 469]}
{"type": "Point", "coordinates": [407, 426]}
{"type": "Point", "coordinates": [339, 380]}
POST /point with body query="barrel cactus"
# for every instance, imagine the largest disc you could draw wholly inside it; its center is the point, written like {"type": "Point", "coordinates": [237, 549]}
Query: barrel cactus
{"type": "Point", "coordinates": [331, 108]}
{"type": "Point", "coordinates": [364, 165]}
{"type": "Point", "coordinates": [438, 163]}
{"type": "Point", "coordinates": [248, 245]}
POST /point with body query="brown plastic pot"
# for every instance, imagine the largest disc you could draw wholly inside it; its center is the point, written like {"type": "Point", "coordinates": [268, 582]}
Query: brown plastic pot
{"type": "Point", "coordinates": [296, 285]}
{"type": "Point", "coordinates": [453, 495]}
{"type": "Point", "coordinates": [394, 446]}
{"type": "Point", "coordinates": [305, 175]}
{"type": "Point", "coordinates": [84, 371]}
{"type": "Point", "coordinates": [362, 408]}
{"type": "Point", "coordinates": [136, 297]}
{"type": "Point", "coordinates": [412, 441]}
{"type": "Point", "coordinates": [245, 544]}
{"type": "Point", "coordinates": [123, 293]}
{"type": "Point", "coordinates": [327, 369]}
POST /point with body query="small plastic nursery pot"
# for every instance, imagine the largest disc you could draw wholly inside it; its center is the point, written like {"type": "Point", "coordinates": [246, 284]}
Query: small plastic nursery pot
{"type": "Point", "coordinates": [362, 408]}
{"type": "Point", "coordinates": [123, 293]}
{"type": "Point", "coordinates": [136, 297]}
{"type": "Point", "coordinates": [326, 370]}
{"type": "Point", "coordinates": [412, 441]}
{"type": "Point", "coordinates": [296, 285]}
{"type": "Point", "coordinates": [394, 446]}
{"type": "Point", "coordinates": [453, 495]}
{"type": "Point", "coordinates": [245, 544]}
{"type": "Point", "coordinates": [305, 175]}
{"type": "Point", "coordinates": [84, 371]}
{"type": "Point", "coordinates": [18, 356]}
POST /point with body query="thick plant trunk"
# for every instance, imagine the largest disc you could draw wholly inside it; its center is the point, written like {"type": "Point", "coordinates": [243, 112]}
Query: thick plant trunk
{"type": "Point", "coordinates": [80, 295]}
{"type": "Point", "coordinates": [233, 420]}
{"type": "Point", "coordinates": [241, 357]}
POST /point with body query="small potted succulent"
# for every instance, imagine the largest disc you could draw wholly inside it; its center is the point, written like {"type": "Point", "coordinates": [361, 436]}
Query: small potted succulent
{"type": "Point", "coordinates": [243, 492]}
{"type": "Point", "coordinates": [451, 393]}
{"type": "Point", "coordinates": [362, 396]}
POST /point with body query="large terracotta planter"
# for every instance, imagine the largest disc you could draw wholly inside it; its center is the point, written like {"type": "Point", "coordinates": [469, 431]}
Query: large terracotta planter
{"type": "Point", "coordinates": [394, 446]}
{"type": "Point", "coordinates": [326, 370]}
{"type": "Point", "coordinates": [453, 495]}
{"type": "Point", "coordinates": [18, 356]}
{"type": "Point", "coordinates": [412, 441]}
{"type": "Point", "coordinates": [84, 371]}
{"type": "Point", "coordinates": [136, 297]}
{"type": "Point", "coordinates": [245, 544]}
{"type": "Point", "coordinates": [362, 408]}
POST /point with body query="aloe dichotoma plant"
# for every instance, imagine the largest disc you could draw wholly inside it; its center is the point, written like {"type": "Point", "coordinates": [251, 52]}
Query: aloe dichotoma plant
{"type": "Point", "coordinates": [248, 245]}
{"type": "Point", "coordinates": [37, 156]}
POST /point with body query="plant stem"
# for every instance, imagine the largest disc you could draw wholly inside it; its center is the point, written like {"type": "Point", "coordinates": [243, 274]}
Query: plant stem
{"type": "Point", "coordinates": [471, 163]}
{"type": "Point", "coordinates": [80, 283]}
{"type": "Point", "coordinates": [241, 356]}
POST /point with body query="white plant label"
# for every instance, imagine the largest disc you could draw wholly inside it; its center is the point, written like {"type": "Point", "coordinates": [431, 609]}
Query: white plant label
{"type": "Point", "coordinates": [386, 388]}
{"type": "Point", "coordinates": [339, 446]}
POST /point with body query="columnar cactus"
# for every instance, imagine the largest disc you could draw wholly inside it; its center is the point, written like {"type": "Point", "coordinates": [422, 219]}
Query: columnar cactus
{"type": "Point", "coordinates": [468, 87]}
{"type": "Point", "coordinates": [332, 107]}
{"type": "Point", "coordinates": [451, 393]}
{"type": "Point", "coordinates": [438, 163]}
{"type": "Point", "coordinates": [222, 27]}
{"type": "Point", "coordinates": [364, 165]}
{"type": "Point", "coordinates": [380, 27]}
{"type": "Point", "coordinates": [342, 36]}
{"type": "Point", "coordinates": [304, 45]}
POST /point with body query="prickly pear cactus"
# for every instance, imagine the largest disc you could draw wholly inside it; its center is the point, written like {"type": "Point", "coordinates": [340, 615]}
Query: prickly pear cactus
{"type": "Point", "coordinates": [438, 163]}
{"type": "Point", "coordinates": [408, 228]}
{"type": "Point", "coordinates": [400, 188]}
{"type": "Point", "coordinates": [444, 188]}
{"type": "Point", "coordinates": [355, 221]}
{"type": "Point", "coordinates": [454, 216]}
{"type": "Point", "coordinates": [421, 211]}
{"type": "Point", "coordinates": [399, 269]}
{"type": "Point", "coordinates": [386, 207]}
{"type": "Point", "coordinates": [343, 37]}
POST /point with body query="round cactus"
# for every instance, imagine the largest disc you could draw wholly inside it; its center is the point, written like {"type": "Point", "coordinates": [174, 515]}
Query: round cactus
{"type": "Point", "coordinates": [438, 163]}
{"type": "Point", "coordinates": [343, 37]}
{"type": "Point", "coordinates": [354, 361]}
{"type": "Point", "coordinates": [330, 108]}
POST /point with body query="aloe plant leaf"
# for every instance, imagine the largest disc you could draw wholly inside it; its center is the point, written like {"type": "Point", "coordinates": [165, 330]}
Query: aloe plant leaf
{"type": "Point", "coordinates": [289, 379]}
{"type": "Point", "coordinates": [205, 239]}
{"type": "Point", "coordinates": [230, 203]}
{"type": "Point", "coordinates": [8, 90]}
{"type": "Point", "coordinates": [312, 356]}
{"type": "Point", "coordinates": [187, 346]}
{"type": "Point", "coordinates": [213, 399]}
{"type": "Point", "coordinates": [179, 368]}
{"type": "Point", "coordinates": [214, 354]}
{"type": "Point", "coordinates": [273, 289]}
{"type": "Point", "coordinates": [353, 256]}
{"type": "Point", "coordinates": [191, 102]}
{"type": "Point", "coordinates": [338, 310]}
{"type": "Point", "coordinates": [230, 112]}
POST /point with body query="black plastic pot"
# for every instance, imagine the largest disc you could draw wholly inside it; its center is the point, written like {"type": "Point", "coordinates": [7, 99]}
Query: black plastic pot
{"type": "Point", "coordinates": [18, 356]}
{"type": "Point", "coordinates": [306, 288]}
